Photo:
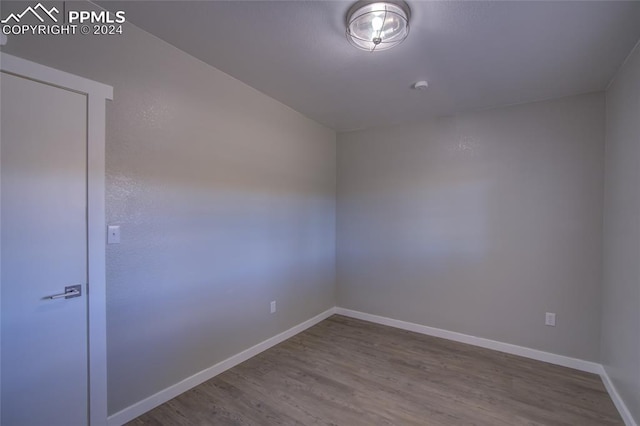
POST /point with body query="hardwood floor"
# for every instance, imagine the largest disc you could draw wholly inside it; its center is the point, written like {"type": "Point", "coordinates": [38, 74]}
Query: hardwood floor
{"type": "Point", "coordinates": [350, 372]}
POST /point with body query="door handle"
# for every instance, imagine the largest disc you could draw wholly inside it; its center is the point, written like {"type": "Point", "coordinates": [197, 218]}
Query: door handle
{"type": "Point", "coordinates": [70, 292]}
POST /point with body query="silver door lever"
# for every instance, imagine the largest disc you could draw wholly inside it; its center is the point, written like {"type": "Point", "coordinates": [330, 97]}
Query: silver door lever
{"type": "Point", "coordinates": [70, 292]}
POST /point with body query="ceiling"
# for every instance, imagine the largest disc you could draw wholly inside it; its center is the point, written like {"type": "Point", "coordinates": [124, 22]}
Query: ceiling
{"type": "Point", "coordinates": [474, 54]}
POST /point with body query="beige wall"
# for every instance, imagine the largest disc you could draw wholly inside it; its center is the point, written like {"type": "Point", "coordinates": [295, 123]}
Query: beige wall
{"type": "Point", "coordinates": [479, 223]}
{"type": "Point", "coordinates": [226, 199]}
{"type": "Point", "coordinates": [621, 284]}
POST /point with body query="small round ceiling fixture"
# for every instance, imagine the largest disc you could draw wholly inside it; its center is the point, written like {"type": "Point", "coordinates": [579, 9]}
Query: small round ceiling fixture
{"type": "Point", "coordinates": [420, 85]}
{"type": "Point", "coordinates": [378, 25]}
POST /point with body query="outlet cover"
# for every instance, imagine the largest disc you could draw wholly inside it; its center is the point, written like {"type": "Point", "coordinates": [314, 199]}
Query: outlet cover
{"type": "Point", "coordinates": [273, 306]}
{"type": "Point", "coordinates": [550, 319]}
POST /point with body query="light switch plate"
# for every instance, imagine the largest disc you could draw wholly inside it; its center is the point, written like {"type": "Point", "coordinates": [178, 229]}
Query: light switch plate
{"type": "Point", "coordinates": [113, 234]}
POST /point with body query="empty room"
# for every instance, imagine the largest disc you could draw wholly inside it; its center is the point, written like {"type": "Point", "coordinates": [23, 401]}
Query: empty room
{"type": "Point", "coordinates": [316, 212]}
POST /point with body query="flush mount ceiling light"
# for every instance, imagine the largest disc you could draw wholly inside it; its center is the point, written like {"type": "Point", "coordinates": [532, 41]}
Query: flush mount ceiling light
{"type": "Point", "coordinates": [377, 25]}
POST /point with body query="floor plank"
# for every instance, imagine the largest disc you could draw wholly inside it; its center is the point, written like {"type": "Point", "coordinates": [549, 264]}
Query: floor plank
{"type": "Point", "coordinates": [345, 371]}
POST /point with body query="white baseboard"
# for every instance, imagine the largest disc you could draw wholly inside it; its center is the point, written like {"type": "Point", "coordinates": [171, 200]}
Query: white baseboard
{"type": "Point", "coordinates": [578, 364]}
{"type": "Point", "coordinates": [617, 400]}
{"type": "Point", "coordinates": [565, 361]}
{"type": "Point", "coordinates": [171, 392]}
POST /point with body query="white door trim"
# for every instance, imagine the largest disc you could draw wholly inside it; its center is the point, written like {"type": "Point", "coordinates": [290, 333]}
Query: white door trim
{"type": "Point", "coordinates": [96, 94]}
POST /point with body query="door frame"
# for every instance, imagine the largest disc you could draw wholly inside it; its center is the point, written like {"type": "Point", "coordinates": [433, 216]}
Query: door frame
{"type": "Point", "coordinates": [97, 94]}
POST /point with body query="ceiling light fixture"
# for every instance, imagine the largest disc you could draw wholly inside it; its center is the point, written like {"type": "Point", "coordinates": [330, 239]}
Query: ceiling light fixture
{"type": "Point", "coordinates": [420, 85]}
{"type": "Point", "coordinates": [378, 25]}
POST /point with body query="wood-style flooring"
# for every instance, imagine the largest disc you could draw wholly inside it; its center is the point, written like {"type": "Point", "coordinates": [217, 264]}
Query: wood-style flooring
{"type": "Point", "coordinates": [350, 372]}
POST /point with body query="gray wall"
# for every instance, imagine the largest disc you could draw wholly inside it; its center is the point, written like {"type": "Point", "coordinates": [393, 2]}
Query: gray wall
{"type": "Point", "coordinates": [621, 284]}
{"type": "Point", "coordinates": [479, 223]}
{"type": "Point", "coordinates": [226, 200]}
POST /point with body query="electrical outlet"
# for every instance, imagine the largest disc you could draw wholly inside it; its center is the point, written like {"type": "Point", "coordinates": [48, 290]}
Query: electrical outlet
{"type": "Point", "coordinates": [550, 319]}
{"type": "Point", "coordinates": [273, 306]}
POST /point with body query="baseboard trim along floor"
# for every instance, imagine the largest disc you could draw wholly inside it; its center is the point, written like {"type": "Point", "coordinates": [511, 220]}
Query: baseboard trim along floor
{"type": "Point", "coordinates": [617, 400]}
{"type": "Point", "coordinates": [171, 392]}
{"type": "Point", "coordinates": [578, 364]}
{"type": "Point", "coordinates": [565, 361]}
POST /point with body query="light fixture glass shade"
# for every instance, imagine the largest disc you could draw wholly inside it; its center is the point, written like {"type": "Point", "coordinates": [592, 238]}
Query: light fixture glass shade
{"type": "Point", "coordinates": [378, 25]}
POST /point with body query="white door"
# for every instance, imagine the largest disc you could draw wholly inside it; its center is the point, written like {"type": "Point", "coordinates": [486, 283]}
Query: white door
{"type": "Point", "coordinates": [43, 156]}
